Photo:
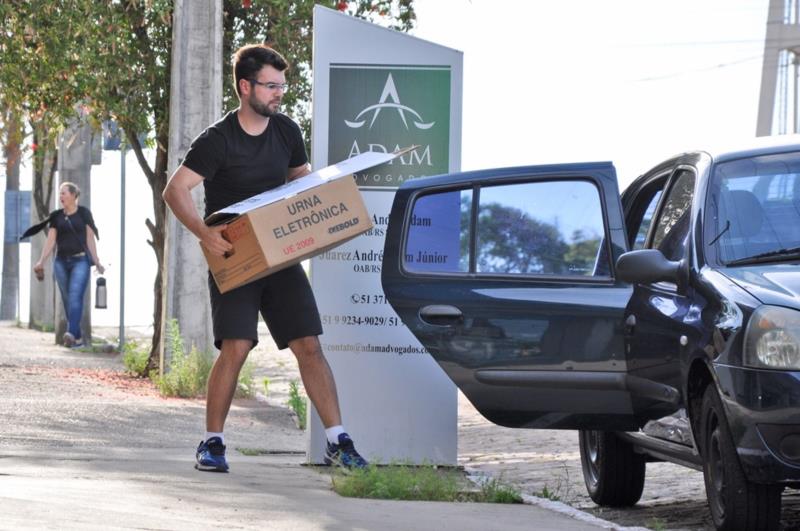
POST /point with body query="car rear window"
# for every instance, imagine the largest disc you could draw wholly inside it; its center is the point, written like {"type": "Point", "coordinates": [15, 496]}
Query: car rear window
{"type": "Point", "coordinates": [533, 228]}
{"type": "Point", "coordinates": [438, 233]}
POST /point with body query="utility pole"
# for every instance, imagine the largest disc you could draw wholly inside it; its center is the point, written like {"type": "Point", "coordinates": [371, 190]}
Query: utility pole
{"type": "Point", "coordinates": [75, 165]}
{"type": "Point", "coordinates": [195, 103]}
{"type": "Point", "coordinates": [780, 74]}
{"type": "Point", "coordinates": [123, 150]}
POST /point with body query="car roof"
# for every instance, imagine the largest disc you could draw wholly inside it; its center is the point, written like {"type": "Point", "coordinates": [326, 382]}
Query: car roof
{"type": "Point", "coordinates": [752, 147]}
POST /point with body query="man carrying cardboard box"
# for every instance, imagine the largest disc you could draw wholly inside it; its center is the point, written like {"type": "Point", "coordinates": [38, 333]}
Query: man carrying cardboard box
{"type": "Point", "coordinates": [253, 149]}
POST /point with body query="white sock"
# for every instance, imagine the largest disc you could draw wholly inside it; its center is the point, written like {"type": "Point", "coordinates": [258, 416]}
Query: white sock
{"type": "Point", "coordinates": [333, 433]}
{"type": "Point", "coordinates": [210, 434]}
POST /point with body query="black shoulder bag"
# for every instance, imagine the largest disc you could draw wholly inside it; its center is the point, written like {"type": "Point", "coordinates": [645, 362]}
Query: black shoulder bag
{"type": "Point", "coordinates": [82, 242]}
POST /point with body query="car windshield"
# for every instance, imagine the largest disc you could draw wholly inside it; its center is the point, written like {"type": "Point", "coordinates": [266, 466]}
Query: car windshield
{"type": "Point", "coordinates": [754, 208]}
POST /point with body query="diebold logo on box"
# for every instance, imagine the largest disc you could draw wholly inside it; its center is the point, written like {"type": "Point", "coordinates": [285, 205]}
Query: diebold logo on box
{"type": "Point", "coordinates": [384, 108]}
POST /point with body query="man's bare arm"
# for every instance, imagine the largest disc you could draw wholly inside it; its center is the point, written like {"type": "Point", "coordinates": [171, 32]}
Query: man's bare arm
{"type": "Point", "coordinates": [298, 171]}
{"type": "Point", "coordinates": [178, 195]}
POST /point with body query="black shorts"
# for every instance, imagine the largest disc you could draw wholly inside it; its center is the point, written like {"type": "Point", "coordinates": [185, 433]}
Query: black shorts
{"type": "Point", "coordinates": [284, 299]}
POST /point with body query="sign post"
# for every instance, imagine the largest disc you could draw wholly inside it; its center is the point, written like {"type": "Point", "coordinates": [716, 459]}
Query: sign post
{"type": "Point", "coordinates": [398, 91]}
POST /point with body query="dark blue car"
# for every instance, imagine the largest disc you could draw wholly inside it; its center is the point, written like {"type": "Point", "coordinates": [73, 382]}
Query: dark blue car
{"type": "Point", "coordinates": [664, 325]}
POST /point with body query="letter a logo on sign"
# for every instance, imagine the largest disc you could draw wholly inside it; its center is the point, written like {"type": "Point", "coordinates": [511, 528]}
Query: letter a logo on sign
{"type": "Point", "coordinates": [381, 108]}
{"type": "Point", "coordinates": [389, 91]}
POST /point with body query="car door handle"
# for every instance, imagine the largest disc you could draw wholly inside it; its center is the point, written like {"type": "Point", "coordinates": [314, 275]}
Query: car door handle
{"type": "Point", "coordinates": [441, 314]}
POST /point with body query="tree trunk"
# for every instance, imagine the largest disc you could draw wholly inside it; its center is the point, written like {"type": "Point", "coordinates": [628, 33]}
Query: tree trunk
{"type": "Point", "coordinates": [9, 293]}
{"type": "Point", "coordinates": [157, 178]}
{"type": "Point", "coordinates": [157, 233]}
{"type": "Point", "coordinates": [45, 161]}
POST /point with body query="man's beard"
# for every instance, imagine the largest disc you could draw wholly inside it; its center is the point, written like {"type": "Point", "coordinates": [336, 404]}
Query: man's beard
{"type": "Point", "coordinates": [263, 109]}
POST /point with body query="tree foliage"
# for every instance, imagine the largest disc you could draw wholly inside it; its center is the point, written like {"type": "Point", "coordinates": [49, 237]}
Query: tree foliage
{"type": "Point", "coordinates": [287, 27]}
{"type": "Point", "coordinates": [113, 58]}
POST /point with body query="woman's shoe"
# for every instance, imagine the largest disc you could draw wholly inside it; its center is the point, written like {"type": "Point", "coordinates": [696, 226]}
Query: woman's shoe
{"type": "Point", "coordinates": [69, 340]}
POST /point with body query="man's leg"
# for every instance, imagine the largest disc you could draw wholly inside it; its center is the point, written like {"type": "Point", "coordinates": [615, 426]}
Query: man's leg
{"type": "Point", "coordinates": [235, 318]}
{"type": "Point", "coordinates": [222, 381]}
{"type": "Point", "coordinates": [317, 379]}
{"type": "Point", "coordinates": [321, 388]}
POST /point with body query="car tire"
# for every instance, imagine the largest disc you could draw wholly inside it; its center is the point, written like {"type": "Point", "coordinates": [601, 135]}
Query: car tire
{"type": "Point", "coordinates": [735, 502]}
{"type": "Point", "coordinates": [612, 470]}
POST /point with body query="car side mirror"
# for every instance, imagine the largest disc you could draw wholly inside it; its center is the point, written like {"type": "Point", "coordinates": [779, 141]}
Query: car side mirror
{"type": "Point", "coordinates": [647, 266]}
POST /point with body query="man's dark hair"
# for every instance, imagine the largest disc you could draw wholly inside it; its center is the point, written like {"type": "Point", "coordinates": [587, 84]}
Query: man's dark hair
{"type": "Point", "coordinates": [249, 60]}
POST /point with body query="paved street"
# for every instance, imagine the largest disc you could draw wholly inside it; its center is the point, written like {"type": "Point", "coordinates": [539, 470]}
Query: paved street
{"type": "Point", "coordinates": [84, 447]}
{"type": "Point", "coordinates": [77, 427]}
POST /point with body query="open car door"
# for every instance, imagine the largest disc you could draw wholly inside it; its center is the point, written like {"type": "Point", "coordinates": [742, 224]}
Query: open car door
{"type": "Point", "coordinates": [506, 277]}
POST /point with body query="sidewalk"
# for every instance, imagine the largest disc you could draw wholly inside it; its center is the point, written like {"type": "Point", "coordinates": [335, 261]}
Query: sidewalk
{"type": "Point", "coordinates": [83, 448]}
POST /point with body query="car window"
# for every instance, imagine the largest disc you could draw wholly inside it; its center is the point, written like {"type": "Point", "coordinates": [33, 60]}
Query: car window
{"type": "Point", "coordinates": [438, 233]}
{"type": "Point", "coordinates": [541, 228]}
{"type": "Point", "coordinates": [640, 236]}
{"type": "Point", "coordinates": [536, 228]}
{"type": "Point", "coordinates": [754, 206]}
{"type": "Point", "coordinates": [673, 223]}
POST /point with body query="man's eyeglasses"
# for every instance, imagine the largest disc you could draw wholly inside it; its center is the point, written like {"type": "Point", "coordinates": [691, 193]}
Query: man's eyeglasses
{"type": "Point", "coordinates": [270, 85]}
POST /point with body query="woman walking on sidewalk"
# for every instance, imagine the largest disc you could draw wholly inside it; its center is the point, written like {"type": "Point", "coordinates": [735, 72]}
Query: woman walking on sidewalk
{"type": "Point", "coordinates": [72, 232]}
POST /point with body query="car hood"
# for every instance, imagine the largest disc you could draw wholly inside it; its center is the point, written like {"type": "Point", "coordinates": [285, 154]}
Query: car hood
{"type": "Point", "coordinates": [777, 284]}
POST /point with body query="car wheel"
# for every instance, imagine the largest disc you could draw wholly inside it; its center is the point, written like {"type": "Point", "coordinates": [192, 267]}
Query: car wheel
{"type": "Point", "coordinates": [735, 502]}
{"type": "Point", "coordinates": [612, 470]}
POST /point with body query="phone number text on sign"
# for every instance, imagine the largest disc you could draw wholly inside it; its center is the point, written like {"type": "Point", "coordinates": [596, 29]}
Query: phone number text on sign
{"type": "Point", "coordinates": [365, 298]}
{"type": "Point", "coordinates": [359, 320]}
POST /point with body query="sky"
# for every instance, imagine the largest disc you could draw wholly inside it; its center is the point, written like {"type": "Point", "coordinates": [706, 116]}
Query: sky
{"type": "Point", "coordinates": [630, 81]}
{"type": "Point", "coordinates": [545, 81]}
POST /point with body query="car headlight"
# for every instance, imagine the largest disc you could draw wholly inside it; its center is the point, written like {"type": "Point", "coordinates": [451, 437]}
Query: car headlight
{"type": "Point", "coordinates": [772, 339]}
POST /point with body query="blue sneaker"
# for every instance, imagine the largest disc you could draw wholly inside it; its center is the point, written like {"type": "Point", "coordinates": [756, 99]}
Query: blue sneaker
{"type": "Point", "coordinates": [344, 454]}
{"type": "Point", "coordinates": [211, 456]}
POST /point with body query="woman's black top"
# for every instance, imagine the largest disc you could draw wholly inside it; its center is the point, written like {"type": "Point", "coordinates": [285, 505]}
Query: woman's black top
{"type": "Point", "coordinates": [71, 231]}
{"type": "Point", "coordinates": [69, 242]}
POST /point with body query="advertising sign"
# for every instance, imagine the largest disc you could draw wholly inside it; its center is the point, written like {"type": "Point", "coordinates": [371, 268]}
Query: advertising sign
{"type": "Point", "coordinates": [399, 91]}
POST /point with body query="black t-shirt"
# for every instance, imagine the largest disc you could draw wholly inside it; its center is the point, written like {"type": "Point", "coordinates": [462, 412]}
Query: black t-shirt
{"type": "Point", "coordinates": [236, 165]}
{"type": "Point", "coordinates": [71, 231]}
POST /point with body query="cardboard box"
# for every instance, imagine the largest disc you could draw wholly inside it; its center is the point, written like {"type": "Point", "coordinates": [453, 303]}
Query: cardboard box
{"type": "Point", "coordinates": [288, 224]}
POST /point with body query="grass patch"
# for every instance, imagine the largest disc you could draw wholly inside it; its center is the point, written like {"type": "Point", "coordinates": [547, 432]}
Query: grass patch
{"type": "Point", "coordinates": [297, 403]}
{"type": "Point", "coordinates": [548, 494]}
{"type": "Point", "coordinates": [187, 376]}
{"type": "Point", "coordinates": [255, 452]}
{"type": "Point", "coordinates": [42, 327]}
{"type": "Point", "coordinates": [495, 491]}
{"type": "Point", "coordinates": [421, 483]}
{"type": "Point", "coordinates": [188, 373]}
{"type": "Point", "coordinates": [134, 357]}
{"type": "Point", "coordinates": [246, 385]}
{"type": "Point", "coordinates": [251, 452]}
